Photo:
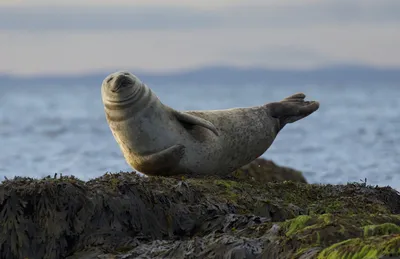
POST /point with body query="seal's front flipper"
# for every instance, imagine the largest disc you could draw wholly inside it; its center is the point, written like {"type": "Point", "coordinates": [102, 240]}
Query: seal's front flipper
{"type": "Point", "coordinates": [292, 108]}
{"type": "Point", "coordinates": [162, 162]}
{"type": "Point", "coordinates": [194, 120]}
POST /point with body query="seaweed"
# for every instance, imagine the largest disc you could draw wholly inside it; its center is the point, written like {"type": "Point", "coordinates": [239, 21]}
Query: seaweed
{"type": "Point", "coordinates": [124, 215]}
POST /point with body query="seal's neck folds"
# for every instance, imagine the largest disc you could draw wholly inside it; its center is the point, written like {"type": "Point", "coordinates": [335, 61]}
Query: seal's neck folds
{"type": "Point", "coordinates": [137, 100]}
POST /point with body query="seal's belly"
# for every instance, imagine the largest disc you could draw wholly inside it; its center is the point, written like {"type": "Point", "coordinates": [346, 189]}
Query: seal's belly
{"type": "Point", "coordinates": [145, 136]}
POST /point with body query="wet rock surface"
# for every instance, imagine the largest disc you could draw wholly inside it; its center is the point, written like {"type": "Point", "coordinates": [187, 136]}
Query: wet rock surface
{"type": "Point", "coordinates": [124, 215]}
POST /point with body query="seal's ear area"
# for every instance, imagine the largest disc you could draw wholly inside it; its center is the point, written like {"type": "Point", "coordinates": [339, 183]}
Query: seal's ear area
{"type": "Point", "coordinates": [162, 162]}
{"type": "Point", "coordinates": [292, 108]}
{"type": "Point", "coordinates": [194, 120]}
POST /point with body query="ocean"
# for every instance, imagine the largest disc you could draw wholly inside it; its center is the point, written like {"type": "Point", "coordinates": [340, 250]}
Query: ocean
{"type": "Point", "coordinates": [47, 129]}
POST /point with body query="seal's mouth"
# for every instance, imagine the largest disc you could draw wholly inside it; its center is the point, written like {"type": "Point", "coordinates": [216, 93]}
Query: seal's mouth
{"type": "Point", "coordinates": [122, 82]}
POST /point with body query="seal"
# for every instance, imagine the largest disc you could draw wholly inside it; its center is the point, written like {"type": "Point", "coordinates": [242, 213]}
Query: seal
{"type": "Point", "coordinates": [156, 139]}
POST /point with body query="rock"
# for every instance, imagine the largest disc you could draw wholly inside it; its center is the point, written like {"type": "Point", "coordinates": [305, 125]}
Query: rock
{"type": "Point", "coordinates": [126, 216]}
{"type": "Point", "coordinates": [262, 170]}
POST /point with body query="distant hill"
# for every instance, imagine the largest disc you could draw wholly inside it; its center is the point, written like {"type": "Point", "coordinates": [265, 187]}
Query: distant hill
{"type": "Point", "coordinates": [230, 76]}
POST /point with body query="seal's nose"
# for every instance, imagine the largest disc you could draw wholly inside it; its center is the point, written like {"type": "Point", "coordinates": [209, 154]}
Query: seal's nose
{"type": "Point", "coordinates": [121, 81]}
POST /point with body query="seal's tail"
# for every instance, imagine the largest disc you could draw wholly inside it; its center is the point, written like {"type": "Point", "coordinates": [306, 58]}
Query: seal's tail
{"type": "Point", "coordinates": [292, 108]}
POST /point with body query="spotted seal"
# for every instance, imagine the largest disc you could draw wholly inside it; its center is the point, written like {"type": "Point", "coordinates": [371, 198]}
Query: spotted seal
{"type": "Point", "coordinates": [156, 139]}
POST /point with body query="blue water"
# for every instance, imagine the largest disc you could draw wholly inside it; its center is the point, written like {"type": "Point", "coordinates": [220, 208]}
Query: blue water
{"type": "Point", "coordinates": [354, 135]}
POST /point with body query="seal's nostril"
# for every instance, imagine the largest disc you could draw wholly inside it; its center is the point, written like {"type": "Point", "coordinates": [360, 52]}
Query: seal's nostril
{"type": "Point", "coordinates": [126, 74]}
{"type": "Point", "coordinates": [109, 80]}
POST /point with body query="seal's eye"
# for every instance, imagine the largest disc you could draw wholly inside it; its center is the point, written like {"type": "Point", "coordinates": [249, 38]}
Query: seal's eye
{"type": "Point", "coordinates": [110, 79]}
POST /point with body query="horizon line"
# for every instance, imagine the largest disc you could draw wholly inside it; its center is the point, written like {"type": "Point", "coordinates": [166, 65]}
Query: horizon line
{"type": "Point", "coordinates": [178, 72]}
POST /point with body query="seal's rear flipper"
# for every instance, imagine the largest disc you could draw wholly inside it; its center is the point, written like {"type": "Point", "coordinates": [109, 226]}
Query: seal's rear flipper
{"type": "Point", "coordinates": [292, 108]}
{"type": "Point", "coordinates": [194, 120]}
{"type": "Point", "coordinates": [162, 162]}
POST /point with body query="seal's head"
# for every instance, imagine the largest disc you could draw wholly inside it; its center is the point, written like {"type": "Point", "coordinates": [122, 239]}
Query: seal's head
{"type": "Point", "coordinates": [120, 87]}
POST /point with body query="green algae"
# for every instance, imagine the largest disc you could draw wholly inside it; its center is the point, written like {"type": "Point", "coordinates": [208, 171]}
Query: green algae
{"type": "Point", "coordinates": [307, 232]}
{"type": "Point", "coordinates": [363, 248]}
{"type": "Point", "coordinates": [334, 206]}
{"type": "Point", "coordinates": [296, 224]}
{"type": "Point", "coordinates": [226, 183]}
{"type": "Point", "coordinates": [382, 229]}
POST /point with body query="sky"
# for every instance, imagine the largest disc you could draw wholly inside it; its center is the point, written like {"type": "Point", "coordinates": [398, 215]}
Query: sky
{"type": "Point", "coordinates": [83, 36]}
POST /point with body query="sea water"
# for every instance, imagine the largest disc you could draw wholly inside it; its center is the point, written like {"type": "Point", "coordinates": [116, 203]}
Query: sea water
{"type": "Point", "coordinates": [47, 129]}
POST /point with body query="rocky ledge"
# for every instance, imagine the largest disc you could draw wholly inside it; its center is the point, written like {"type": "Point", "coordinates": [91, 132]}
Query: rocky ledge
{"type": "Point", "coordinates": [124, 215]}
